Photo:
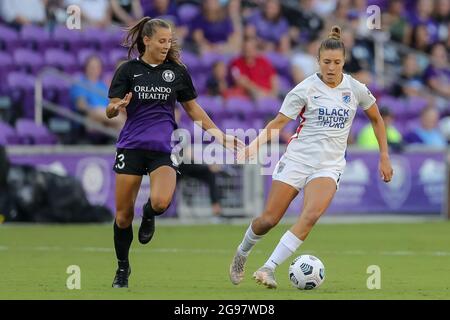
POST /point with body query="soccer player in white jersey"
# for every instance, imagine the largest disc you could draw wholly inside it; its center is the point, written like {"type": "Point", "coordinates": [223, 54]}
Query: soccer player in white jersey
{"type": "Point", "coordinates": [326, 104]}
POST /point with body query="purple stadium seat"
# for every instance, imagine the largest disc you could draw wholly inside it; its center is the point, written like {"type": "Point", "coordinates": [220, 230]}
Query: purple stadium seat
{"type": "Point", "coordinates": [356, 128]}
{"type": "Point", "coordinates": [285, 84]}
{"type": "Point", "coordinates": [35, 37]}
{"type": "Point", "coordinates": [27, 60]}
{"type": "Point", "coordinates": [33, 133]}
{"type": "Point", "coordinates": [192, 61]}
{"type": "Point", "coordinates": [280, 62]}
{"type": "Point", "coordinates": [84, 54]}
{"type": "Point", "coordinates": [212, 105]}
{"type": "Point", "coordinates": [414, 106]}
{"type": "Point", "coordinates": [116, 55]}
{"type": "Point", "coordinates": [21, 91]}
{"type": "Point", "coordinates": [67, 39]}
{"type": "Point", "coordinates": [9, 38]}
{"type": "Point", "coordinates": [236, 106]}
{"type": "Point", "coordinates": [209, 58]}
{"type": "Point", "coordinates": [268, 106]}
{"type": "Point", "coordinates": [56, 89]}
{"type": "Point", "coordinates": [199, 80]}
{"type": "Point", "coordinates": [96, 38]}
{"type": "Point", "coordinates": [61, 59]}
{"type": "Point", "coordinates": [6, 65]}
{"type": "Point", "coordinates": [187, 12]}
{"type": "Point", "coordinates": [396, 106]}
{"type": "Point", "coordinates": [8, 134]}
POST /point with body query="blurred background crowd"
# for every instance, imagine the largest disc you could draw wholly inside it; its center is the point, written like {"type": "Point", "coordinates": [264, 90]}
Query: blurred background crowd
{"type": "Point", "coordinates": [243, 56]}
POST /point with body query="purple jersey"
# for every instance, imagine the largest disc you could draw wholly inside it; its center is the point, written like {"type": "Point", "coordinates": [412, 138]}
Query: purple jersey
{"type": "Point", "coordinates": [150, 114]}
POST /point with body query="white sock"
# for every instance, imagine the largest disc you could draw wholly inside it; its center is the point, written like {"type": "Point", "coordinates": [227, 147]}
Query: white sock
{"type": "Point", "coordinates": [285, 248]}
{"type": "Point", "coordinates": [250, 239]}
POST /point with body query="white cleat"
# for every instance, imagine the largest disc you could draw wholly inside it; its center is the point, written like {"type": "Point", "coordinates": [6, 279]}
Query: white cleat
{"type": "Point", "coordinates": [237, 268]}
{"type": "Point", "coordinates": [265, 276]}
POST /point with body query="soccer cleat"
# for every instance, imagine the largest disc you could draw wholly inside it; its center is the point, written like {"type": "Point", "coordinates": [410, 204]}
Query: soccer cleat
{"type": "Point", "coordinates": [237, 268]}
{"type": "Point", "coordinates": [265, 276]}
{"type": "Point", "coordinates": [147, 228]}
{"type": "Point", "coordinates": [121, 278]}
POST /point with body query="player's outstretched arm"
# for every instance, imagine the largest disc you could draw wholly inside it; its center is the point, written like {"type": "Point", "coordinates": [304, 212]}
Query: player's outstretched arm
{"type": "Point", "coordinates": [385, 168]}
{"type": "Point", "coordinates": [271, 130]}
{"type": "Point", "coordinates": [197, 114]}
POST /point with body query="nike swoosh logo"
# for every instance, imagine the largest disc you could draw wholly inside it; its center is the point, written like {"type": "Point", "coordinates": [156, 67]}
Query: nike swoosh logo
{"type": "Point", "coordinates": [315, 97]}
{"type": "Point", "coordinates": [137, 75]}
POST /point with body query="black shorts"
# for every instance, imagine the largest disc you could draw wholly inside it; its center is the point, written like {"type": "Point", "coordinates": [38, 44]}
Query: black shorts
{"type": "Point", "coordinates": [140, 162]}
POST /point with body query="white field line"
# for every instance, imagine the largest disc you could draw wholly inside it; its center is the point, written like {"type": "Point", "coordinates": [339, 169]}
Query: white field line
{"type": "Point", "coordinates": [227, 252]}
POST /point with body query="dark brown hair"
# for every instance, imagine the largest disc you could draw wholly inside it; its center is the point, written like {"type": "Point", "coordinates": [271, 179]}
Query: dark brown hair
{"type": "Point", "coordinates": [134, 40]}
{"type": "Point", "coordinates": [333, 42]}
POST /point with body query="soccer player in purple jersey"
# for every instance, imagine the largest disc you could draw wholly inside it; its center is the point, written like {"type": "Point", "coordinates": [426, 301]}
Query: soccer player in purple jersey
{"type": "Point", "coordinates": [147, 89]}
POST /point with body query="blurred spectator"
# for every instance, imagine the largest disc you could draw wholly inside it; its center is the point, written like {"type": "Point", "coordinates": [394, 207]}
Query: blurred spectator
{"type": "Point", "coordinates": [217, 83]}
{"type": "Point", "coordinates": [270, 27]}
{"type": "Point", "coordinates": [24, 12]}
{"type": "Point", "coordinates": [254, 75]}
{"type": "Point", "coordinates": [422, 15]}
{"type": "Point", "coordinates": [367, 139]}
{"type": "Point", "coordinates": [358, 68]}
{"type": "Point", "coordinates": [340, 15]}
{"type": "Point", "coordinates": [305, 64]}
{"type": "Point", "coordinates": [395, 21]}
{"type": "Point", "coordinates": [56, 12]}
{"type": "Point", "coordinates": [324, 8]}
{"type": "Point", "coordinates": [305, 24]}
{"type": "Point", "coordinates": [167, 9]}
{"type": "Point", "coordinates": [437, 75]}
{"type": "Point", "coordinates": [427, 132]}
{"type": "Point", "coordinates": [410, 81]}
{"type": "Point", "coordinates": [420, 38]}
{"type": "Point", "coordinates": [442, 17]}
{"type": "Point", "coordinates": [94, 13]}
{"type": "Point", "coordinates": [126, 12]}
{"type": "Point", "coordinates": [212, 29]}
{"type": "Point", "coordinates": [90, 95]}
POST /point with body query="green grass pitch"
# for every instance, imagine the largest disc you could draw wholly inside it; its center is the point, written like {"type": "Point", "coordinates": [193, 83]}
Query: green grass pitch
{"type": "Point", "coordinates": [191, 262]}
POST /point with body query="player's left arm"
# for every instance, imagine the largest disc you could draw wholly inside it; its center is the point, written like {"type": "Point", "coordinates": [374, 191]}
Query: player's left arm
{"type": "Point", "coordinates": [385, 168]}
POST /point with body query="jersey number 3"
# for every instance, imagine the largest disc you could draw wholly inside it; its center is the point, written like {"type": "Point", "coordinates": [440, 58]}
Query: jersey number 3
{"type": "Point", "coordinates": [120, 164]}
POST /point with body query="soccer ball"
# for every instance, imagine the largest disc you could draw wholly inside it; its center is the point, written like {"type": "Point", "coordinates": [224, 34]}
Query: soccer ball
{"type": "Point", "coordinates": [306, 272]}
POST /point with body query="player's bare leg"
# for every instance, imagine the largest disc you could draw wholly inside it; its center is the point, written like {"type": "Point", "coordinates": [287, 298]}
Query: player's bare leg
{"type": "Point", "coordinates": [279, 199]}
{"type": "Point", "coordinates": [318, 194]}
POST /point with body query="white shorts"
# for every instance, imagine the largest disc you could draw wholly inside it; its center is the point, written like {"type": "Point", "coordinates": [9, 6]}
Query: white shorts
{"type": "Point", "coordinates": [298, 174]}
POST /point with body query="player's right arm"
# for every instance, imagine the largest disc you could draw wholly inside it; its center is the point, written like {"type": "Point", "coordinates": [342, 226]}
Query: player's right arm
{"type": "Point", "coordinates": [116, 105]}
{"type": "Point", "coordinates": [272, 130]}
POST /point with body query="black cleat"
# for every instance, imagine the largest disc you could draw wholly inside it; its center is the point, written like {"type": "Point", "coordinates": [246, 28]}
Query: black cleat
{"type": "Point", "coordinates": [121, 278]}
{"type": "Point", "coordinates": [147, 228]}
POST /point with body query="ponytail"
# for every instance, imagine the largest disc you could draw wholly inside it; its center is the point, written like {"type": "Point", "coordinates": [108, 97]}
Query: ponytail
{"type": "Point", "coordinates": [134, 39]}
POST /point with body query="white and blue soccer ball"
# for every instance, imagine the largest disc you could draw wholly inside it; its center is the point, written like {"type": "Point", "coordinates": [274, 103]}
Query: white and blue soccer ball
{"type": "Point", "coordinates": [306, 272]}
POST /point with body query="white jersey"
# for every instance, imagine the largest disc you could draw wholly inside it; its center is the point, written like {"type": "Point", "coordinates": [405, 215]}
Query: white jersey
{"type": "Point", "coordinates": [326, 115]}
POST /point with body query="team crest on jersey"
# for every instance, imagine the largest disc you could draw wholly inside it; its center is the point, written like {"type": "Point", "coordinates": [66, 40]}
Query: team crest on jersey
{"type": "Point", "coordinates": [168, 75]}
{"type": "Point", "coordinates": [346, 97]}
